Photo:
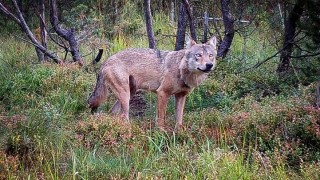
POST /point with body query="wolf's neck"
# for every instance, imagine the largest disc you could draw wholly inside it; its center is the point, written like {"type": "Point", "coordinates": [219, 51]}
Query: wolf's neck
{"type": "Point", "coordinates": [192, 79]}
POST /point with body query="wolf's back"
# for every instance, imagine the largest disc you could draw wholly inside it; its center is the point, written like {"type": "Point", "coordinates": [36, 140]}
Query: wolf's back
{"type": "Point", "coordinates": [137, 58]}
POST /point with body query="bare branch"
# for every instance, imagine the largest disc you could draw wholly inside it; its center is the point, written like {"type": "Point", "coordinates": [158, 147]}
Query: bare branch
{"type": "Point", "coordinates": [5, 11]}
{"type": "Point", "coordinates": [55, 21]}
{"type": "Point", "coordinates": [274, 55]}
{"type": "Point", "coordinates": [52, 38]}
{"type": "Point", "coordinates": [306, 55]}
{"type": "Point", "coordinates": [25, 40]}
{"type": "Point", "coordinates": [262, 62]}
{"type": "Point", "coordinates": [217, 30]}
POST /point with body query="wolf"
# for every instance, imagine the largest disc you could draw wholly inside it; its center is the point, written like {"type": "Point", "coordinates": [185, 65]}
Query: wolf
{"type": "Point", "coordinates": [164, 72]}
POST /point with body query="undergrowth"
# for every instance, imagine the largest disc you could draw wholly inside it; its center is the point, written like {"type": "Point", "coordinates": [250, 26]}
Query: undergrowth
{"type": "Point", "coordinates": [238, 124]}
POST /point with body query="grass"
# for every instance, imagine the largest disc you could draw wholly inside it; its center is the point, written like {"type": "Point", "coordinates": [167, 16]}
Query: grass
{"type": "Point", "coordinates": [247, 125]}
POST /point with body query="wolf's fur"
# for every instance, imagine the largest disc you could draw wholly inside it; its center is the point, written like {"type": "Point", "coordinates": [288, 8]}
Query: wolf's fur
{"type": "Point", "coordinates": [165, 73]}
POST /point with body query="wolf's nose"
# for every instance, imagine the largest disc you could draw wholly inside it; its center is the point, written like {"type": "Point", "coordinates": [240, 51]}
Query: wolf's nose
{"type": "Point", "coordinates": [209, 65]}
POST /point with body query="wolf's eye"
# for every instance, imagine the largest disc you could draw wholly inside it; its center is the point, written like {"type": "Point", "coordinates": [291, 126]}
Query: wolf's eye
{"type": "Point", "coordinates": [211, 55]}
{"type": "Point", "coordinates": [198, 55]}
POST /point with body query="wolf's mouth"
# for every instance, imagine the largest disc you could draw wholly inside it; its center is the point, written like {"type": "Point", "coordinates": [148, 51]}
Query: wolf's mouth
{"type": "Point", "coordinates": [204, 70]}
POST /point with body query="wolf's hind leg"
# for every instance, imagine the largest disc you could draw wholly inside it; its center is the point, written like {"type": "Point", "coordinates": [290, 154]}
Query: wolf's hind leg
{"type": "Point", "coordinates": [116, 108]}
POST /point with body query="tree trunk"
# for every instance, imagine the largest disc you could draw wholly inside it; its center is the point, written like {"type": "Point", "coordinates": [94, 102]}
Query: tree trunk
{"type": "Point", "coordinates": [172, 12]}
{"type": "Point", "coordinates": [115, 11]}
{"type": "Point", "coordinates": [189, 11]}
{"type": "Point", "coordinates": [205, 27]}
{"type": "Point", "coordinates": [67, 34]}
{"type": "Point", "coordinates": [289, 34]}
{"type": "Point", "coordinates": [43, 32]}
{"type": "Point", "coordinates": [317, 92]}
{"type": "Point", "coordinates": [40, 54]}
{"type": "Point", "coordinates": [228, 21]}
{"type": "Point", "coordinates": [148, 17]}
{"type": "Point", "coordinates": [181, 32]}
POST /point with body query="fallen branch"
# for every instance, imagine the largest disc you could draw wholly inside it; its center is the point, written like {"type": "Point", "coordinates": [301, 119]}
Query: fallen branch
{"type": "Point", "coordinates": [51, 37]}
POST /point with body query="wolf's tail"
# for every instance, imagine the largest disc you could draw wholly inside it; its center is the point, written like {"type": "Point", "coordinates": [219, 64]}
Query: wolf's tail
{"type": "Point", "coordinates": [99, 94]}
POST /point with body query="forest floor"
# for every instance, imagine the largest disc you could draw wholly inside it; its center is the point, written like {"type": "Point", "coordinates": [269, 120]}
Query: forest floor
{"type": "Point", "coordinates": [238, 124]}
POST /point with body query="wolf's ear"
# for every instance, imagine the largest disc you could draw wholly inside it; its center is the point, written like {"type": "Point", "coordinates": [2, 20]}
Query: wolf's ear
{"type": "Point", "coordinates": [212, 41]}
{"type": "Point", "coordinates": [190, 42]}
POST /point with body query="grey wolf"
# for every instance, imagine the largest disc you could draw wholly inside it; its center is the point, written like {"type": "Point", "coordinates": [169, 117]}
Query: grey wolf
{"type": "Point", "coordinates": [163, 72]}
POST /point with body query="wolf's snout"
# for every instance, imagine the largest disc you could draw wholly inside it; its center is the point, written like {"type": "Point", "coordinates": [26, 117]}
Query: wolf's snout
{"type": "Point", "coordinates": [209, 66]}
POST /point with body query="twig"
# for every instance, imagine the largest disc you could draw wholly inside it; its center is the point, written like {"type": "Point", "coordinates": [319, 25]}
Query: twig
{"type": "Point", "coordinates": [66, 49]}
{"type": "Point", "coordinates": [305, 55]}
{"type": "Point", "coordinates": [302, 49]}
{"type": "Point", "coordinates": [217, 30]}
{"type": "Point", "coordinates": [167, 35]}
{"type": "Point", "coordinates": [262, 62]}
{"type": "Point", "coordinates": [36, 45]}
{"type": "Point", "coordinates": [50, 35]}
{"type": "Point", "coordinates": [25, 40]}
{"type": "Point", "coordinates": [65, 56]}
{"type": "Point", "coordinates": [87, 54]}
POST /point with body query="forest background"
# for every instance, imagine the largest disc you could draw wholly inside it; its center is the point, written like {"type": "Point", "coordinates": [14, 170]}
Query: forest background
{"type": "Point", "coordinates": [256, 117]}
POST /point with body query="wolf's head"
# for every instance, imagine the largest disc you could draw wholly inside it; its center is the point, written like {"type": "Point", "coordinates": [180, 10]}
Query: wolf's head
{"type": "Point", "coordinates": [201, 57]}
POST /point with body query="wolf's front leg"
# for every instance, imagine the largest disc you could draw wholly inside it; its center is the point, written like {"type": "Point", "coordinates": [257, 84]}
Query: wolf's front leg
{"type": "Point", "coordinates": [180, 102]}
{"type": "Point", "coordinates": [161, 109]}
{"type": "Point", "coordinates": [116, 108]}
